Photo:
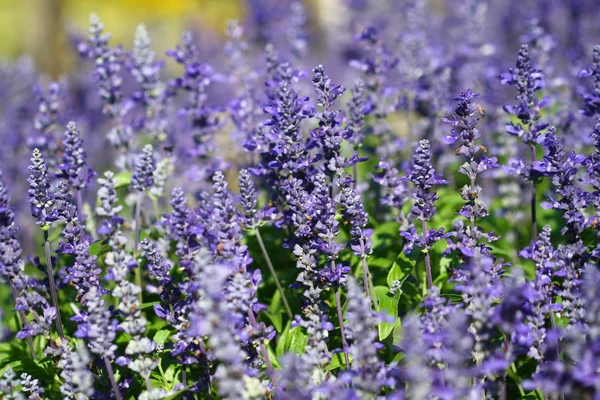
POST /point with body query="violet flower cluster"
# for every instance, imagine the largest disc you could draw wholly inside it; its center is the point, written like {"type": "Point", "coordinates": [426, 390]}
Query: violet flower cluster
{"type": "Point", "coordinates": [364, 253]}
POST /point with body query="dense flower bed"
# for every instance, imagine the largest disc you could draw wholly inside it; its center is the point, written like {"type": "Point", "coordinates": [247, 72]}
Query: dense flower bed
{"type": "Point", "coordinates": [246, 227]}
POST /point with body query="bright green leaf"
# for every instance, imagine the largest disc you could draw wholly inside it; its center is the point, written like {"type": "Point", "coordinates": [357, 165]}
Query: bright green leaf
{"type": "Point", "coordinates": [338, 360]}
{"type": "Point", "coordinates": [123, 179]}
{"type": "Point", "coordinates": [389, 304]}
{"type": "Point", "coordinates": [298, 340]}
{"type": "Point", "coordinates": [161, 336]}
{"type": "Point", "coordinates": [401, 268]}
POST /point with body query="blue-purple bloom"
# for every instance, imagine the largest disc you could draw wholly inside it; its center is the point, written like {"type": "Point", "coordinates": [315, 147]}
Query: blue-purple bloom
{"type": "Point", "coordinates": [73, 167]}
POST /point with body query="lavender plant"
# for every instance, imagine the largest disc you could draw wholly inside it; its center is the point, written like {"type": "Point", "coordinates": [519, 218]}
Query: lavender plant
{"type": "Point", "coordinates": [166, 299]}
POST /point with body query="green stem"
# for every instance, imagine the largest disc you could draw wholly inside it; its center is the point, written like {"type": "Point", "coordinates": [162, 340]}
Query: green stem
{"type": "Point", "coordinates": [23, 320]}
{"type": "Point", "coordinates": [51, 284]}
{"type": "Point", "coordinates": [338, 306]}
{"type": "Point", "coordinates": [272, 270]}
{"type": "Point", "coordinates": [136, 243]}
{"type": "Point", "coordinates": [111, 378]}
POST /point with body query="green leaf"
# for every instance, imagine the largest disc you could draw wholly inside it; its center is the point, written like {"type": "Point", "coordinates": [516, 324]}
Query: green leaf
{"type": "Point", "coordinates": [401, 268]}
{"type": "Point", "coordinates": [298, 340]}
{"type": "Point", "coordinates": [123, 179]}
{"type": "Point", "coordinates": [99, 248]}
{"type": "Point", "coordinates": [283, 343]}
{"type": "Point", "coordinates": [273, 357]}
{"type": "Point", "coordinates": [161, 336]}
{"type": "Point", "coordinates": [337, 361]}
{"type": "Point", "coordinates": [149, 304]}
{"type": "Point", "coordinates": [389, 304]}
{"type": "Point", "coordinates": [276, 319]}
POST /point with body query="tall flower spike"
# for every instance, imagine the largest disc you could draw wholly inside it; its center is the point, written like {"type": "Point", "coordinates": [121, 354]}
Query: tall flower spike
{"type": "Point", "coordinates": [592, 99]}
{"type": "Point", "coordinates": [213, 319]}
{"type": "Point", "coordinates": [108, 206]}
{"type": "Point", "coordinates": [78, 380]}
{"type": "Point", "coordinates": [353, 212]}
{"type": "Point", "coordinates": [466, 135]}
{"type": "Point", "coordinates": [252, 221]}
{"type": "Point", "coordinates": [527, 81]}
{"type": "Point", "coordinates": [41, 199]}
{"type": "Point", "coordinates": [158, 267]}
{"type": "Point", "coordinates": [563, 168]}
{"type": "Point", "coordinates": [330, 133]}
{"type": "Point", "coordinates": [297, 30]}
{"type": "Point", "coordinates": [133, 322]}
{"type": "Point", "coordinates": [143, 176]}
{"type": "Point", "coordinates": [369, 373]}
{"type": "Point", "coordinates": [145, 68]}
{"type": "Point", "coordinates": [142, 181]}
{"type": "Point", "coordinates": [84, 273]}
{"type": "Point", "coordinates": [107, 66]}
{"type": "Point", "coordinates": [97, 326]}
{"type": "Point", "coordinates": [248, 199]}
{"type": "Point", "coordinates": [12, 267]}
{"type": "Point", "coordinates": [31, 387]}
{"type": "Point", "coordinates": [73, 167]}
{"type": "Point", "coordinates": [226, 233]}
{"type": "Point", "coordinates": [424, 178]}
{"type": "Point", "coordinates": [203, 118]}
{"type": "Point", "coordinates": [43, 209]}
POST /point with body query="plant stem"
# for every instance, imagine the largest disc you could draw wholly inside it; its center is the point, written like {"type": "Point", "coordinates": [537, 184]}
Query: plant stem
{"type": "Point", "coordinates": [263, 348]}
{"type": "Point", "coordinates": [338, 306]}
{"type": "Point", "coordinates": [80, 215]}
{"type": "Point", "coordinates": [272, 270]}
{"type": "Point", "coordinates": [504, 378]}
{"type": "Point", "coordinates": [368, 286]}
{"type": "Point", "coordinates": [53, 295]}
{"type": "Point", "coordinates": [533, 199]}
{"type": "Point", "coordinates": [136, 243]}
{"type": "Point", "coordinates": [427, 258]}
{"type": "Point", "coordinates": [23, 320]}
{"type": "Point", "coordinates": [111, 377]}
{"type": "Point", "coordinates": [354, 176]}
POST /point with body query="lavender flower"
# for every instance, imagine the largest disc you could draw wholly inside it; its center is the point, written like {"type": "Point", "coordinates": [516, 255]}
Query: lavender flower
{"type": "Point", "coordinates": [97, 326]}
{"type": "Point", "coordinates": [563, 169]}
{"type": "Point", "coordinates": [144, 67]}
{"type": "Point", "coordinates": [213, 319]}
{"type": "Point", "coordinates": [107, 67]}
{"type": "Point", "coordinates": [249, 200]}
{"type": "Point", "coordinates": [78, 380]}
{"type": "Point", "coordinates": [9, 384]}
{"type": "Point", "coordinates": [72, 232]}
{"type": "Point", "coordinates": [31, 387]}
{"type": "Point", "coordinates": [203, 119]}
{"type": "Point", "coordinates": [286, 153]}
{"type": "Point", "coordinates": [357, 112]}
{"type": "Point", "coordinates": [424, 178]}
{"type": "Point", "coordinates": [591, 99]}
{"type": "Point", "coordinates": [354, 213]}
{"type": "Point", "coordinates": [41, 199]}
{"type": "Point", "coordinates": [527, 81]}
{"type": "Point", "coordinates": [133, 321]}
{"type": "Point", "coordinates": [225, 233]}
{"type": "Point", "coordinates": [466, 135]}
{"type": "Point", "coordinates": [73, 167]}
{"type": "Point", "coordinates": [108, 204]}
{"type": "Point", "coordinates": [158, 267]}
{"type": "Point", "coordinates": [368, 372]}
{"type": "Point", "coordinates": [143, 176]}
{"type": "Point", "coordinates": [297, 30]}
{"type": "Point", "coordinates": [84, 273]}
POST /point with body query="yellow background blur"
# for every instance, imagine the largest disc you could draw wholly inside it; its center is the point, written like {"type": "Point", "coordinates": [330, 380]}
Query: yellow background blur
{"type": "Point", "coordinates": [40, 28]}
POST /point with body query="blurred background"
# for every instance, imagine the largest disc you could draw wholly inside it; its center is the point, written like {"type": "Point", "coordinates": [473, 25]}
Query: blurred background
{"type": "Point", "coordinates": [42, 28]}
